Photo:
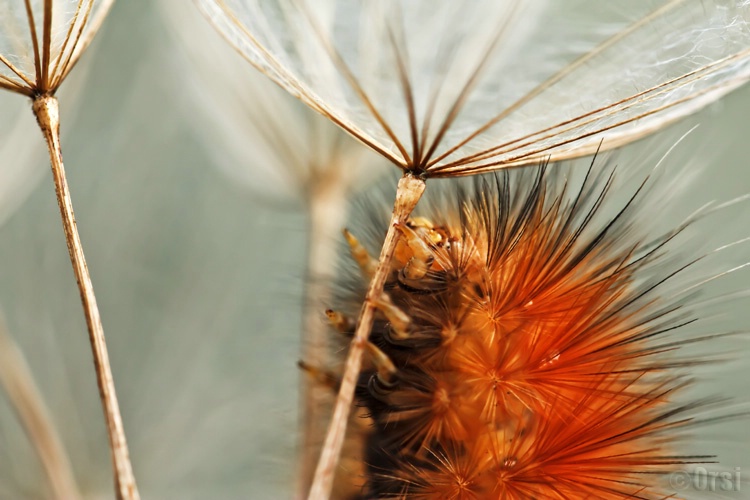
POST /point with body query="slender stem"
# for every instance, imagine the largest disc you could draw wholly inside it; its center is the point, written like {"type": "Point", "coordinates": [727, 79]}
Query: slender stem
{"type": "Point", "coordinates": [327, 200]}
{"type": "Point", "coordinates": [27, 401]}
{"type": "Point", "coordinates": [409, 192]}
{"type": "Point", "coordinates": [47, 114]}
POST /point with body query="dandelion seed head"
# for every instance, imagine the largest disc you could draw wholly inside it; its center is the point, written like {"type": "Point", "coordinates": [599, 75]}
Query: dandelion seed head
{"type": "Point", "coordinates": [41, 41]}
{"type": "Point", "coordinates": [258, 135]}
{"type": "Point", "coordinates": [512, 83]}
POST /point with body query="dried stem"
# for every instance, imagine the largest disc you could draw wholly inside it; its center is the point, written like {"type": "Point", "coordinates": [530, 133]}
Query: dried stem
{"type": "Point", "coordinates": [327, 199]}
{"type": "Point", "coordinates": [409, 192]}
{"type": "Point", "coordinates": [47, 114]}
{"type": "Point", "coordinates": [27, 401]}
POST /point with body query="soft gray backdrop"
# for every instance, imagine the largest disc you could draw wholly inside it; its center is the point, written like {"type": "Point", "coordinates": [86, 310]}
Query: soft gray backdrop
{"type": "Point", "coordinates": [199, 287]}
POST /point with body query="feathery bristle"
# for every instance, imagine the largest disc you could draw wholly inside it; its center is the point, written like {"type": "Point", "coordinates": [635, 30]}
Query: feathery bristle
{"type": "Point", "coordinates": [531, 362]}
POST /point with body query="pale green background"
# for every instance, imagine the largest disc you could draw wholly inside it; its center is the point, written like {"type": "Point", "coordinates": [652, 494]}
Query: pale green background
{"type": "Point", "coordinates": [199, 288]}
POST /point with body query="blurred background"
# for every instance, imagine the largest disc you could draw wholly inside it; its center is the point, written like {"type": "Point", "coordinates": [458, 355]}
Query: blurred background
{"type": "Point", "coordinates": [200, 280]}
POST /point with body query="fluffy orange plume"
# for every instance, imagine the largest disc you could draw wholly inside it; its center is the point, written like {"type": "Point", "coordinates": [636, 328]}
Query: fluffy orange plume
{"type": "Point", "coordinates": [524, 349]}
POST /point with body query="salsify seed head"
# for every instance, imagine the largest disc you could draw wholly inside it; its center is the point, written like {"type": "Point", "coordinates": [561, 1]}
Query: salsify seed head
{"type": "Point", "coordinates": [451, 89]}
{"type": "Point", "coordinates": [41, 41]}
{"type": "Point", "coordinates": [540, 354]}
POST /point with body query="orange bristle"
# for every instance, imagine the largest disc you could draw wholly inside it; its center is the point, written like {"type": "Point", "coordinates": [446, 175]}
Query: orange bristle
{"type": "Point", "coordinates": [531, 366]}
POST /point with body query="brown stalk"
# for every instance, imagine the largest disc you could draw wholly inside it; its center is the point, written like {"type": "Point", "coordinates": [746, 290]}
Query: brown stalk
{"type": "Point", "coordinates": [28, 403]}
{"type": "Point", "coordinates": [47, 114]}
{"type": "Point", "coordinates": [410, 189]}
{"type": "Point", "coordinates": [326, 207]}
